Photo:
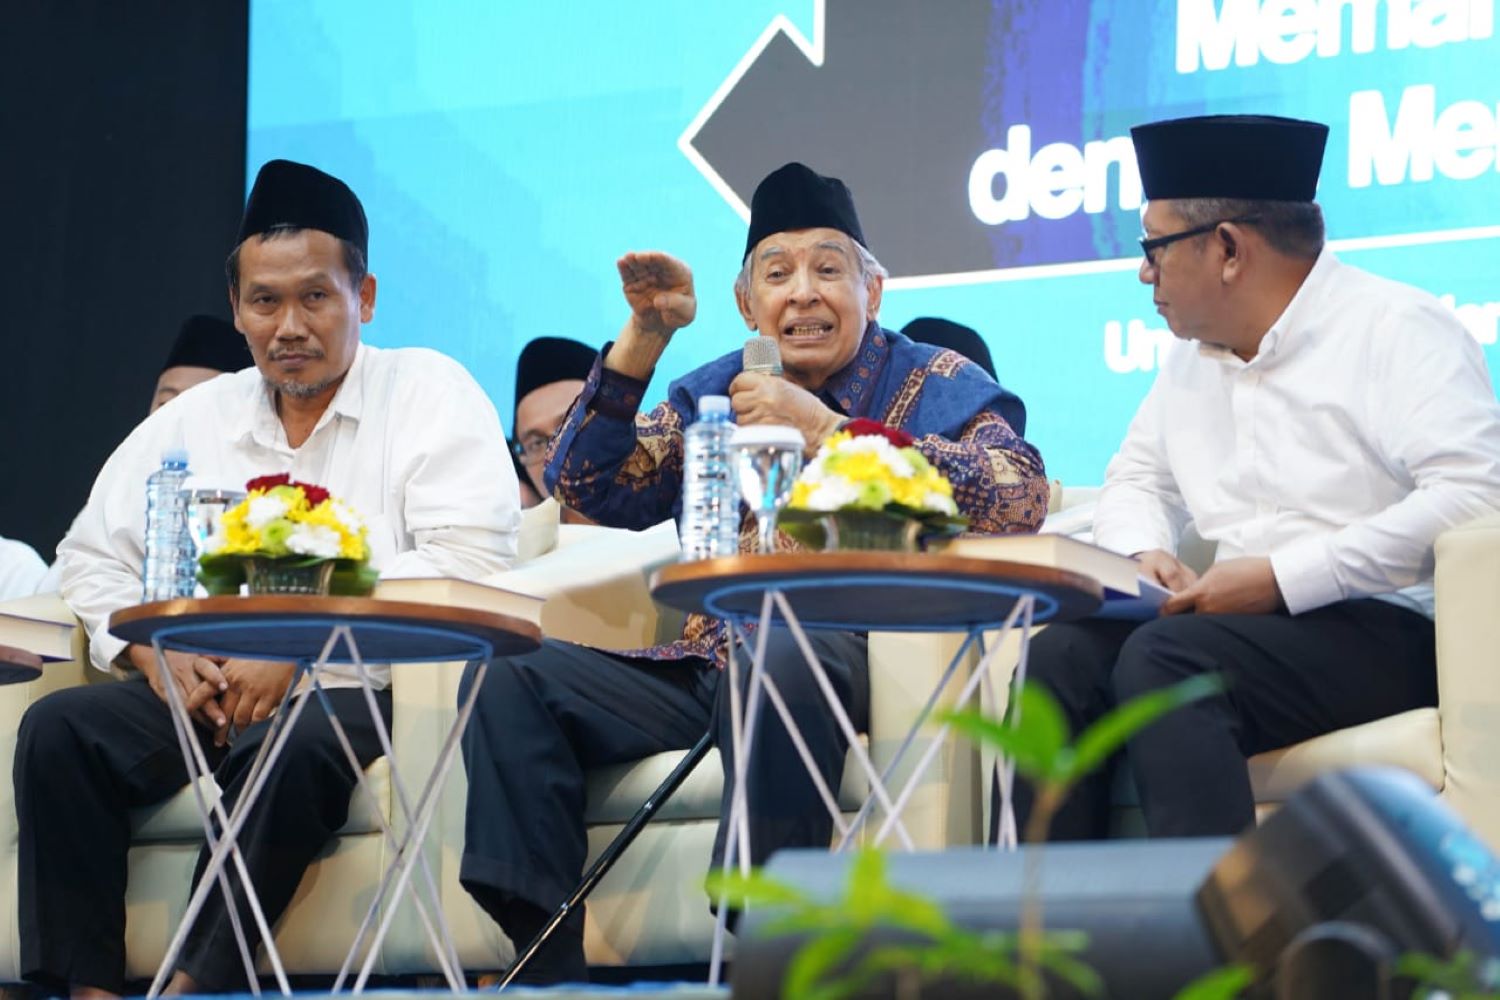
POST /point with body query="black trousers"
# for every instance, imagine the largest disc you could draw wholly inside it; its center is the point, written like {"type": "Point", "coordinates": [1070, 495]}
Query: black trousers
{"type": "Point", "coordinates": [543, 718]}
{"type": "Point", "coordinates": [1289, 678]}
{"type": "Point", "coordinates": [86, 756]}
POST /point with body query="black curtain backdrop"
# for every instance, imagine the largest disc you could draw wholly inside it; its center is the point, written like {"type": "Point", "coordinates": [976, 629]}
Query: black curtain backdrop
{"type": "Point", "coordinates": [122, 176]}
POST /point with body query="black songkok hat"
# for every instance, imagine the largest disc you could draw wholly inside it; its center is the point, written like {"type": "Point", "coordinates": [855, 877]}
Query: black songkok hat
{"type": "Point", "coordinates": [1250, 157]}
{"type": "Point", "coordinates": [294, 194]}
{"type": "Point", "coordinates": [794, 197]}
{"type": "Point", "coordinates": [954, 336]}
{"type": "Point", "coordinates": [552, 359]}
{"type": "Point", "coordinates": [209, 342]}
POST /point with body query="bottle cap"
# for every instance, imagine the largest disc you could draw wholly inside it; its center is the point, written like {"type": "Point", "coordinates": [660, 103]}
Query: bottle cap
{"type": "Point", "coordinates": [175, 456]}
{"type": "Point", "coordinates": [711, 405]}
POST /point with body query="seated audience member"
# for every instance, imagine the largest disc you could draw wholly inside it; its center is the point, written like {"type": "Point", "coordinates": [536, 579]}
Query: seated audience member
{"type": "Point", "coordinates": [809, 282]}
{"type": "Point", "coordinates": [206, 346]}
{"type": "Point", "coordinates": [549, 375]}
{"type": "Point", "coordinates": [405, 437]}
{"type": "Point", "coordinates": [1322, 426]}
{"type": "Point", "coordinates": [967, 341]}
{"type": "Point", "coordinates": [21, 569]}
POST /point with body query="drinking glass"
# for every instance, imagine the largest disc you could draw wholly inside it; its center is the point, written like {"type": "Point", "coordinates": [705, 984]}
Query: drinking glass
{"type": "Point", "coordinates": [767, 459]}
{"type": "Point", "coordinates": [205, 509]}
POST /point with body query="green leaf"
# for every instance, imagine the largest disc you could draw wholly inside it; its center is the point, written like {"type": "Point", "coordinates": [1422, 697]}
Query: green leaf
{"type": "Point", "coordinates": [757, 888]}
{"type": "Point", "coordinates": [1220, 984]}
{"type": "Point", "coordinates": [1034, 740]}
{"type": "Point", "coordinates": [1096, 743]}
{"type": "Point", "coordinates": [814, 961]}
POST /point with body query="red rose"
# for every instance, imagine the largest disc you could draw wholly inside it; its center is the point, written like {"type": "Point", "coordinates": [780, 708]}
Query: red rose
{"type": "Point", "coordinates": [863, 427]}
{"type": "Point", "coordinates": [267, 482]}
{"type": "Point", "coordinates": [315, 494]}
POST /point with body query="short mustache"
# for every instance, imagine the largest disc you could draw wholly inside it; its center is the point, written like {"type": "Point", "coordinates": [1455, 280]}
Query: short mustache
{"type": "Point", "coordinates": [301, 352]}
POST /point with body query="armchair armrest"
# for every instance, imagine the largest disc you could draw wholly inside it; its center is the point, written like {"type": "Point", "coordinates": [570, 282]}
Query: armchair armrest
{"type": "Point", "coordinates": [1467, 582]}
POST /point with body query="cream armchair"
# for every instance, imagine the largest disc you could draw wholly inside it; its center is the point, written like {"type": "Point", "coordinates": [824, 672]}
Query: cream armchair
{"type": "Point", "coordinates": [1454, 747]}
{"type": "Point", "coordinates": [651, 908]}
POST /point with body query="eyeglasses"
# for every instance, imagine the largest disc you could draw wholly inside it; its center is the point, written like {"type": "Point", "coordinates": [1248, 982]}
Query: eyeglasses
{"type": "Point", "coordinates": [531, 448]}
{"type": "Point", "coordinates": [1155, 243]}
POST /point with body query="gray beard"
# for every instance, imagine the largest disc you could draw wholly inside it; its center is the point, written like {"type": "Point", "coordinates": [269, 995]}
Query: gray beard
{"type": "Point", "coordinates": [301, 390]}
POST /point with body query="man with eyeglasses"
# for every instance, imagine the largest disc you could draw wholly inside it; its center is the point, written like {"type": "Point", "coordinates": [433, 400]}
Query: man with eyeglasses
{"type": "Point", "coordinates": [1323, 429]}
{"type": "Point", "coordinates": [550, 374]}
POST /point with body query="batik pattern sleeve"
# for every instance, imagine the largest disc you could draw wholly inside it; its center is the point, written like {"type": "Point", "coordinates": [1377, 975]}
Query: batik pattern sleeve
{"type": "Point", "coordinates": [610, 463]}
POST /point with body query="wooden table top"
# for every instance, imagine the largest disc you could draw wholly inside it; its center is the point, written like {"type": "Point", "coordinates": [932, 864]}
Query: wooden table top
{"type": "Point", "coordinates": [877, 591]}
{"type": "Point", "coordinates": [18, 665]}
{"type": "Point", "coordinates": [294, 627]}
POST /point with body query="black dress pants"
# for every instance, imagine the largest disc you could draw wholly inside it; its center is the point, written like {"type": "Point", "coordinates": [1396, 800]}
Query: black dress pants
{"type": "Point", "coordinates": [86, 756]}
{"type": "Point", "coordinates": [543, 718]}
{"type": "Point", "coordinates": [1288, 677]}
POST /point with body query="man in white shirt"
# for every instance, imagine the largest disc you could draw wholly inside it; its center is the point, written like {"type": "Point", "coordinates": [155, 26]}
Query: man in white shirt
{"type": "Point", "coordinates": [21, 569]}
{"type": "Point", "coordinates": [405, 437]}
{"type": "Point", "coordinates": [1322, 426]}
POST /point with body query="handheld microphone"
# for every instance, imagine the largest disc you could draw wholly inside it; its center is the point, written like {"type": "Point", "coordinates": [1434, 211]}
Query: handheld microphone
{"type": "Point", "coordinates": [762, 356]}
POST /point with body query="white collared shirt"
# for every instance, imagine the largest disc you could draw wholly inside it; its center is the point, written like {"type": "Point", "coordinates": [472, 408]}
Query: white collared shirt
{"type": "Point", "coordinates": [21, 569]}
{"type": "Point", "coordinates": [410, 441]}
{"type": "Point", "coordinates": [1364, 427]}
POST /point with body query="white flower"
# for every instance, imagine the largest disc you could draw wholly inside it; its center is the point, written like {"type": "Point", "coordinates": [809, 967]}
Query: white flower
{"type": "Point", "coordinates": [314, 540]}
{"type": "Point", "coordinates": [936, 501]}
{"type": "Point", "coordinates": [347, 518]}
{"type": "Point", "coordinates": [833, 493]}
{"type": "Point", "coordinates": [214, 542]}
{"type": "Point", "coordinates": [265, 509]}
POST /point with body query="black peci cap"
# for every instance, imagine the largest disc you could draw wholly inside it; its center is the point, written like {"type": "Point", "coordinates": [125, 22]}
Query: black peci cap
{"type": "Point", "coordinates": [294, 194]}
{"type": "Point", "coordinates": [1248, 157]}
{"type": "Point", "coordinates": [209, 342]}
{"type": "Point", "coordinates": [796, 197]}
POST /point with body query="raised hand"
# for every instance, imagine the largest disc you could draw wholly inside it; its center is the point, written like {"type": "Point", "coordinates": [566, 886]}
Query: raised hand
{"type": "Point", "coordinates": [759, 398]}
{"type": "Point", "coordinates": [659, 288]}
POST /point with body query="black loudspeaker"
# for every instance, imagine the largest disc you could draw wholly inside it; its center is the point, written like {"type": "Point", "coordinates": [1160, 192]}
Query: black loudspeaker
{"type": "Point", "coordinates": [1356, 870]}
{"type": "Point", "coordinates": [1134, 900]}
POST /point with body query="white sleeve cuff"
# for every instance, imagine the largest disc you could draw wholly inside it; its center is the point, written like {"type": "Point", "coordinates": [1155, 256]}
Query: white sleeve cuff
{"type": "Point", "coordinates": [1304, 572]}
{"type": "Point", "coordinates": [104, 649]}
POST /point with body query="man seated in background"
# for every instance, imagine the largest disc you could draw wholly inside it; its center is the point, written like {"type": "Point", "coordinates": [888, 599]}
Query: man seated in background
{"type": "Point", "coordinates": [549, 375]}
{"type": "Point", "coordinates": [206, 346]}
{"type": "Point", "coordinates": [21, 569]}
{"type": "Point", "coordinates": [405, 437]}
{"type": "Point", "coordinates": [809, 282]}
{"type": "Point", "coordinates": [1322, 425]}
{"type": "Point", "coordinates": [967, 341]}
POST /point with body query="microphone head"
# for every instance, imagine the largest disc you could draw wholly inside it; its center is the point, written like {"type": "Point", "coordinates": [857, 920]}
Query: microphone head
{"type": "Point", "coordinates": [763, 355]}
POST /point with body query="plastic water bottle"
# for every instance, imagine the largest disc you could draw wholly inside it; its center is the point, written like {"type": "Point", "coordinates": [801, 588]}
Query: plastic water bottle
{"type": "Point", "coordinates": [169, 570]}
{"type": "Point", "coordinates": [710, 524]}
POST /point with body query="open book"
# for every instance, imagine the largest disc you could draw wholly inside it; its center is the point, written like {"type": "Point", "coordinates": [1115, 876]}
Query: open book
{"type": "Point", "coordinates": [1127, 594]}
{"type": "Point", "coordinates": [42, 625]}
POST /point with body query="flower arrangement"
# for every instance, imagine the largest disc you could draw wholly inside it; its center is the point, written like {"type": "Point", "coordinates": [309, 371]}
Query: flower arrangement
{"type": "Point", "coordinates": [282, 527]}
{"type": "Point", "coordinates": [882, 488]}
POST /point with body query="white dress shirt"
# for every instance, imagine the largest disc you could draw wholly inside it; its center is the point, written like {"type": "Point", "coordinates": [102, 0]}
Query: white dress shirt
{"type": "Point", "coordinates": [21, 569]}
{"type": "Point", "coordinates": [1364, 427]}
{"type": "Point", "coordinates": [410, 441]}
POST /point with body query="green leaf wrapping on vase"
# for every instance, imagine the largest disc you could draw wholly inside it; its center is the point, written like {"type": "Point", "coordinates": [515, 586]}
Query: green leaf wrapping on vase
{"type": "Point", "coordinates": [222, 575]}
{"type": "Point", "coordinates": [353, 578]}
{"type": "Point", "coordinates": [806, 526]}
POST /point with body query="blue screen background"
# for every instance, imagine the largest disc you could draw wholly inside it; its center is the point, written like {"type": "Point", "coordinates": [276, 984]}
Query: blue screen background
{"type": "Point", "coordinates": [507, 153]}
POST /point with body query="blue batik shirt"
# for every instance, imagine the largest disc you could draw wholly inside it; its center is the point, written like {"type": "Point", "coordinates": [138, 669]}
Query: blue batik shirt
{"type": "Point", "coordinates": [623, 468]}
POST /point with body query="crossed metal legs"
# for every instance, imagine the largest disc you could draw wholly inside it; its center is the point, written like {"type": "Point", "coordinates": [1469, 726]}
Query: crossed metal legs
{"type": "Point", "coordinates": [761, 687]}
{"type": "Point", "coordinates": [407, 853]}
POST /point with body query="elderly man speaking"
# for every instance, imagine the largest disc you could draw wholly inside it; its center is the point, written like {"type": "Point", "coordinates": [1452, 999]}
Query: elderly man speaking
{"type": "Point", "coordinates": [405, 436]}
{"type": "Point", "coordinates": [810, 282]}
